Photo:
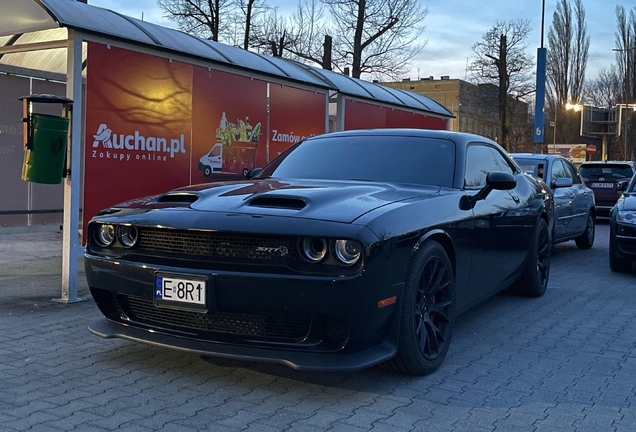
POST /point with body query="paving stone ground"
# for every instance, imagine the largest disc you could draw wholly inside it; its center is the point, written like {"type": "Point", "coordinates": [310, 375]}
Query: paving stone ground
{"type": "Point", "coordinates": [562, 362]}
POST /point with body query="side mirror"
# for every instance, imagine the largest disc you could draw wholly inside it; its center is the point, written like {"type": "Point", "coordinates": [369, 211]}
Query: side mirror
{"type": "Point", "coordinates": [252, 173]}
{"type": "Point", "coordinates": [622, 186]}
{"type": "Point", "coordinates": [562, 183]}
{"type": "Point", "coordinates": [495, 180]}
{"type": "Point", "coordinates": [499, 180]}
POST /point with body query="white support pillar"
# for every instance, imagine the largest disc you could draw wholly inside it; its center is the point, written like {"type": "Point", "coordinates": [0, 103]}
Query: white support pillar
{"type": "Point", "coordinates": [71, 250]}
{"type": "Point", "coordinates": [340, 112]}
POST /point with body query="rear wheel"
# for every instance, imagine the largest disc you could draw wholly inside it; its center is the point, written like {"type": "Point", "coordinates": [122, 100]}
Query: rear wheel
{"type": "Point", "coordinates": [427, 312]}
{"type": "Point", "coordinates": [586, 239]}
{"type": "Point", "coordinates": [617, 263]}
{"type": "Point", "coordinates": [534, 279]}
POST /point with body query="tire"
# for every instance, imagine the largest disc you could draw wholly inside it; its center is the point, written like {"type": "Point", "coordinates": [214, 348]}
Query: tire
{"type": "Point", "coordinates": [534, 279]}
{"type": "Point", "coordinates": [586, 239]}
{"type": "Point", "coordinates": [427, 315]}
{"type": "Point", "coordinates": [207, 171]}
{"type": "Point", "coordinates": [245, 172]}
{"type": "Point", "coordinates": [617, 264]}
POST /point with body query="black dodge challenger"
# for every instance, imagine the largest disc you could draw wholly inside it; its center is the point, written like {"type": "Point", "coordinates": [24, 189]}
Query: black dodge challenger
{"type": "Point", "coordinates": [348, 250]}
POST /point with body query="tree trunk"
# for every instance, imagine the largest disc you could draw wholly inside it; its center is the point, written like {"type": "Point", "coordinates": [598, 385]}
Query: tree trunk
{"type": "Point", "coordinates": [215, 30]}
{"type": "Point", "coordinates": [503, 94]}
{"type": "Point", "coordinates": [248, 25]}
{"type": "Point", "coordinates": [357, 40]}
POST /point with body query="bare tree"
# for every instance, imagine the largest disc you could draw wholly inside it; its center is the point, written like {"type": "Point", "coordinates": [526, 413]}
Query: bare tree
{"type": "Point", "coordinates": [501, 59]}
{"type": "Point", "coordinates": [376, 37]}
{"type": "Point", "coordinates": [605, 90]}
{"type": "Point", "coordinates": [626, 59]}
{"type": "Point", "coordinates": [245, 14]}
{"type": "Point", "coordinates": [568, 45]}
{"type": "Point", "coordinates": [198, 17]}
{"type": "Point", "coordinates": [309, 30]}
{"type": "Point", "coordinates": [271, 35]}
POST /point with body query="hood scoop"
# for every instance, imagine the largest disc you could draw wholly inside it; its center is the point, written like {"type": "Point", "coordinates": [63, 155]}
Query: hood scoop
{"type": "Point", "coordinates": [178, 198]}
{"type": "Point", "coordinates": [278, 202]}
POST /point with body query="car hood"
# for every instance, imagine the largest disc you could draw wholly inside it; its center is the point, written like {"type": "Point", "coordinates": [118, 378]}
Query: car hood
{"type": "Point", "coordinates": [339, 201]}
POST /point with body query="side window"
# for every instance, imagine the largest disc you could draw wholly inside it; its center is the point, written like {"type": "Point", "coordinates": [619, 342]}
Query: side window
{"type": "Point", "coordinates": [558, 171]}
{"type": "Point", "coordinates": [572, 173]}
{"type": "Point", "coordinates": [480, 160]}
{"type": "Point", "coordinates": [502, 162]}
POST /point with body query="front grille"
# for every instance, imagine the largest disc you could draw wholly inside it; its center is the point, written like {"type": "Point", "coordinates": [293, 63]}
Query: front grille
{"type": "Point", "coordinates": [285, 327]}
{"type": "Point", "coordinates": [214, 244]}
{"type": "Point", "coordinates": [330, 331]}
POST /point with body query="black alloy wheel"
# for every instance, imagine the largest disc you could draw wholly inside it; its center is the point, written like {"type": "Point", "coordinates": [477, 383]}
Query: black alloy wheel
{"type": "Point", "coordinates": [534, 280]}
{"type": "Point", "coordinates": [428, 312]}
{"type": "Point", "coordinates": [586, 239]}
{"type": "Point", "coordinates": [432, 308]}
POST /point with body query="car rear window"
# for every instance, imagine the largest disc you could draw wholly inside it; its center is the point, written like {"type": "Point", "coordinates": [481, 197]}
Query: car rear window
{"type": "Point", "coordinates": [613, 171]}
{"type": "Point", "coordinates": [381, 158]}
{"type": "Point", "coordinates": [534, 167]}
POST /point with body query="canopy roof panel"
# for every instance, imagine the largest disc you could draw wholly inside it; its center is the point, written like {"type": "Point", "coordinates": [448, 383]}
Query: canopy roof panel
{"type": "Point", "coordinates": [20, 17]}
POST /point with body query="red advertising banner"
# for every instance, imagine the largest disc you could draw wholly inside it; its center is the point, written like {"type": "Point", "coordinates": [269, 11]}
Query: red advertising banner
{"type": "Point", "coordinates": [138, 126]}
{"type": "Point", "coordinates": [228, 125]}
{"type": "Point", "coordinates": [362, 115]}
{"type": "Point", "coordinates": [295, 114]}
{"type": "Point", "coordinates": [153, 124]}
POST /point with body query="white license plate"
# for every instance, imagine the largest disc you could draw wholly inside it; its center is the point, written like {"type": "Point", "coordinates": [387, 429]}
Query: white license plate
{"type": "Point", "coordinates": [603, 185]}
{"type": "Point", "coordinates": [180, 290]}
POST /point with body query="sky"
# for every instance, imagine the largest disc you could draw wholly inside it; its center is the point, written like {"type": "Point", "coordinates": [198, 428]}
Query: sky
{"type": "Point", "coordinates": [454, 26]}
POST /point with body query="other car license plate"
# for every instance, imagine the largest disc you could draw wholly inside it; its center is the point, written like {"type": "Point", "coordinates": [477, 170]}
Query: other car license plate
{"type": "Point", "coordinates": [181, 291]}
{"type": "Point", "coordinates": [603, 185]}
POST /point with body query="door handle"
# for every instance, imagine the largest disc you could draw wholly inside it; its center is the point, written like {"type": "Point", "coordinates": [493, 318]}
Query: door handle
{"type": "Point", "coordinates": [515, 198]}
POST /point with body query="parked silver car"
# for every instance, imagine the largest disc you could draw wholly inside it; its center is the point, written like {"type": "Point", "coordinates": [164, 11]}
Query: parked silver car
{"type": "Point", "coordinates": [574, 205]}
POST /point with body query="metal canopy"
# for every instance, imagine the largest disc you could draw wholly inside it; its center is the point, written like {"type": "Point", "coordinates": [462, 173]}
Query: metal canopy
{"type": "Point", "coordinates": [21, 17]}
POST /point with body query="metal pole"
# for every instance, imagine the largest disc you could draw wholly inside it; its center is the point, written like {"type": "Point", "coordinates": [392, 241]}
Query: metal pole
{"type": "Point", "coordinates": [626, 99]}
{"type": "Point", "coordinates": [556, 110]}
{"type": "Point", "coordinates": [71, 250]}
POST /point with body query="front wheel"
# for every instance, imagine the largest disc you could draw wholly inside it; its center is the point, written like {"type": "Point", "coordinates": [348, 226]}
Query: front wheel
{"type": "Point", "coordinates": [427, 312]}
{"type": "Point", "coordinates": [207, 171]}
{"type": "Point", "coordinates": [534, 279]}
{"type": "Point", "coordinates": [586, 239]}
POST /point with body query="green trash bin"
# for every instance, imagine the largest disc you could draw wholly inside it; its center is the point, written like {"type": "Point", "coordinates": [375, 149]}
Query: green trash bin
{"type": "Point", "coordinates": [45, 152]}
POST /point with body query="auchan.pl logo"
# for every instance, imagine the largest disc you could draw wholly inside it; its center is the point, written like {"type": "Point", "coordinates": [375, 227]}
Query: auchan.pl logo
{"type": "Point", "coordinates": [135, 146]}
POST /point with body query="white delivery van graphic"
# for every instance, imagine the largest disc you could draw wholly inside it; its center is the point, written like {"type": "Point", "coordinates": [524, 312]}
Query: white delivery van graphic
{"type": "Point", "coordinates": [213, 161]}
{"type": "Point", "coordinates": [235, 149]}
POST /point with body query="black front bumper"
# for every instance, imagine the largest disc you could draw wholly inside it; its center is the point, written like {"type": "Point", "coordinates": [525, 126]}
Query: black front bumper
{"type": "Point", "coordinates": [297, 360]}
{"type": "Point", "coordinates": [625, 240]}
{"type": "Point", "coordinates": [306, 322]}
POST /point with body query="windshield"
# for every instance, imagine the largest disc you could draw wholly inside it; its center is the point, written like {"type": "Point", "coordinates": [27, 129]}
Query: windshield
{"type": "Point", "coordinates": [386, 158]}
{"type": "Point", "coordinates": [609, 172]}
{"type": "Point", "coordinates": [534, 167]}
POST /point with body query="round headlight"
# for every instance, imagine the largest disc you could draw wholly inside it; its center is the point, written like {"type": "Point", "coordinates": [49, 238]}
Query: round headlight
{"type": "Point", "coordinates": [313, 249]}
{"type": "Point", "coordinates": [127, 236]}
{"type": "Point", "coordinates": [347, 251]}
{"type": "Point", "coordinates": [105, 235]}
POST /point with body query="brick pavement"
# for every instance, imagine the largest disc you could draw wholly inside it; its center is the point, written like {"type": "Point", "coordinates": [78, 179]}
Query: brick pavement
{"type": "Point", "coordinates": [566, 361]}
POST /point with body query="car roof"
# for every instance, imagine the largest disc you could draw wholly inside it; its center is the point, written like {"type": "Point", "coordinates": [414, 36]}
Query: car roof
{"type": "Point", "coordinates": [631, 163]}
{"type": "Point", "coordinates": [424, 133]}
{"type": "Point", "coordinates": [537, 156]}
